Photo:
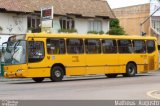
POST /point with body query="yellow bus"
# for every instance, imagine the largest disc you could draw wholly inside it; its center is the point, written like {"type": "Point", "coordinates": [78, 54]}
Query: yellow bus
{"type": "Point", "coordinates": [41, 55]}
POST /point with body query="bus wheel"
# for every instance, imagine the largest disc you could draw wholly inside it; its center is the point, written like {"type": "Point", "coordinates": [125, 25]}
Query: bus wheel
{"type": "Point", "coordinates": [57, 74]}
{"type": "Point", "coordinates": [38, 80]}
{"type": "Point", "coordinates": [130, 70]}
{"type": "Point", "coordinates": [111, 75]}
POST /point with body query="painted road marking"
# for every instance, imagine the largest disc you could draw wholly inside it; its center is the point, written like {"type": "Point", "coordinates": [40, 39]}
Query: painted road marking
{"type": "Point", "coordinates": [154, 94]}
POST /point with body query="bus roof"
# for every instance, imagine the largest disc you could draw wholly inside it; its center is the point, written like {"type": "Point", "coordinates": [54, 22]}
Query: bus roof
{"type": "Point", "coordinates": [46, 35]}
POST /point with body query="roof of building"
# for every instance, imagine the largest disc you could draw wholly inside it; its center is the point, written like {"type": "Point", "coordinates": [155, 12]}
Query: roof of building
{"type": "Point", "coordinates": [85, 8]}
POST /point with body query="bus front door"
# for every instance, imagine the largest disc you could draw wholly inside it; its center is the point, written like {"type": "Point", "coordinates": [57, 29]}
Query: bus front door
{"type": "Point", "coordinates": [153, 61]}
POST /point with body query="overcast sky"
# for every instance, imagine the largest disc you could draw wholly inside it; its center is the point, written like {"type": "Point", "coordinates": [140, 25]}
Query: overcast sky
{"type": "Point", "coordinates": [123, 3]}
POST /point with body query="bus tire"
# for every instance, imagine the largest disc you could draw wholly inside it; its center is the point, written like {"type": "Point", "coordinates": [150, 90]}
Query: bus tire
{"type": "Point", "coordinates": [111, 75]}
{"type": "Point", "coordinates": [38, 80]}
{"type": "Point", "coordinates": [130, 70]}
{"type": "Point", "coordinates": [57, 74]}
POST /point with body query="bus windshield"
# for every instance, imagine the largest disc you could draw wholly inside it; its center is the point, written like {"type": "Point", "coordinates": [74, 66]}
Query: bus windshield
{"type": "Point", "coordinates": [15, 52]}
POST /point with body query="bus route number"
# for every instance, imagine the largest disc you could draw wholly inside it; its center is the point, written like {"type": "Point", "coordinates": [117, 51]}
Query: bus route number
{"type": "Point", "coordinates": [75, 59]}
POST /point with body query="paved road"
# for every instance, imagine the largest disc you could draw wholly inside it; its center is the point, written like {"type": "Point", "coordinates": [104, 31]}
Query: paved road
{"type": "Point", "coordinates": [83, 88]}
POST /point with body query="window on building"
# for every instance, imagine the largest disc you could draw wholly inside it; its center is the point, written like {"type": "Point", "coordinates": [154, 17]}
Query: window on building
{"type": "Point", "coordinates": [29, 22]}
{"type": "Point", "coordinates": [67, 23]}
{"type": "Point", "coordinates": [125, 46]}
{"type": "Point", "coordinates": [139, 46]}
{"type": "Point", "coordinates": [33, 23]}
{"type": "Point", "coordinates": [55, 46]}
{"type": "Point", "coordinates": [95, 25]}
{"type": "Point", "coordinates": [93, 46]}
{"type": "Point", "coordinates": [109, 46]}
{"type": "Point", "coordinates": [150, 46]}
{"type": "Point", "coordinates": [75, 46]}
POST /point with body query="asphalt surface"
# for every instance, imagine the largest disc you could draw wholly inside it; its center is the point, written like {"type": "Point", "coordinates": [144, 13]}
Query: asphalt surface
{"type": "Point", "coordinates": [141, 87]}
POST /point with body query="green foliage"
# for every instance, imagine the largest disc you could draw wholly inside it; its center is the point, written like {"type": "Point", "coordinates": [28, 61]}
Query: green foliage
{"type": "Point", "coordinates": [114, 23]}
{"type": "Point", "coordinates": [67, 30]}
{"type": "Point", "coordinates": [1, 28]}
{"type": "Point", "coordinates": [116, 29]}
{"type": "Point", "coordinates": [95, 32]}
{"type": "Point", "coordinates": [92, 32]}
{"type": "Point", "coordinates": [30, 28]}
{"type": "Point", "coordinates": [101, 32]}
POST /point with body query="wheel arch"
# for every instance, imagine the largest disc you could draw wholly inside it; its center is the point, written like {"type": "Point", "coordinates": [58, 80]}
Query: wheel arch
{"type": "Point", "coordinates": [132, 63]}
{"type": "Point", "coordinates": [60, 65]}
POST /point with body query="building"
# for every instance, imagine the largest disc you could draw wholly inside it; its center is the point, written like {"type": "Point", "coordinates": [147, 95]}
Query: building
{"type": "Point", "coordinates": [132, 16]}
{"type": "Point", "coordinates": [21, 16]}
{"type": "Point", "coordinates": [136, 19]}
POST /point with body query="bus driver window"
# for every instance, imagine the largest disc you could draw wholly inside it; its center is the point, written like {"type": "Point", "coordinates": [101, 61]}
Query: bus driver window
{"type": "Point", "coordinates": [35, 51]}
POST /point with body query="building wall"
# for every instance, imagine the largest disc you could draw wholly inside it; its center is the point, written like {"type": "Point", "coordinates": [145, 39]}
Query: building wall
{"type": "Point", "coordinates": [131, 17]}
{"type": "Point", "coordinates": [105, 26]}
{"type": "Point", "coordinates": [81, 25]}
{"type": "Point", "coordinates": [56, 25]}
{"type": "Point", "coordinates": [12, 24]}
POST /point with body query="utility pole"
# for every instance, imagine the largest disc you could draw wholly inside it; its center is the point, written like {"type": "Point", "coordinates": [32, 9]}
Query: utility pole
{"type": "Point", "coordinates": [141, 32]}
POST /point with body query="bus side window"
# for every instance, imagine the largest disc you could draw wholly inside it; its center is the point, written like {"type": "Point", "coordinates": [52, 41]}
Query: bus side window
{"type": "Point", "coordinates": [109, 46]}
{"type": "Point", "coordinates": [125, 46]}
{"type": "Point", "coordinates": [55, 46]}
{"type": "Point", "coordinates": [93, 46]}
{"type": "Point", "coordinates": [75, 46]}
{"type": "Point", "coordinates": [139, 46]}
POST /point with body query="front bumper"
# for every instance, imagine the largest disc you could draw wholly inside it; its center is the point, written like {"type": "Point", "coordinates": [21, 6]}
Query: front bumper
{"type": "Point", "coordinates": [15, 71]}
{"type": "Point", "coordinates": [14, 75]}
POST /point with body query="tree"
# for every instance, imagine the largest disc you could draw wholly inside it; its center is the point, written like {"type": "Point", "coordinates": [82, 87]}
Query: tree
{"type": "Point", "coordinates": [115, 28]}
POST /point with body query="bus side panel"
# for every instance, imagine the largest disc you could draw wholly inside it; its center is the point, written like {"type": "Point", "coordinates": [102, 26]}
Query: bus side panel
{"type": "Point", "coordinates": [112, 63]}
{"type": "Point", "coordinates": [138, 59]}
{"type": "Point", "coordinates": [75, 64]}
{"type": "Point", "coordinates": [75, 71]}
{"type": "Point", "coordinates": [156, 60]}
{"type": "Point", "coordinates": [39, 69]}
{"type": "Point", "coordinates": [153, 61]}
{"type": "Point", "coordinates": [156, 57]}
{"type": "Point", "coordinates": [38, 72]}
{"type": "Point", "coordinates": [95, 63]}
{"type": "Point", "coordinates": [142, 63]}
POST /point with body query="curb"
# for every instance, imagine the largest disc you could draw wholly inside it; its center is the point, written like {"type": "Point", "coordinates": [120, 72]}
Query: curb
{"type": "Point", "coordinates": [2, 79]}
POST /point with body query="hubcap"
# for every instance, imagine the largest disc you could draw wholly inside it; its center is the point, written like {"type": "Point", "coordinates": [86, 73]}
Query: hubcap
{"type": "Point", "coordinates": [57, 73]}
{"type": "Point", "coordinates": [131, 70]}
